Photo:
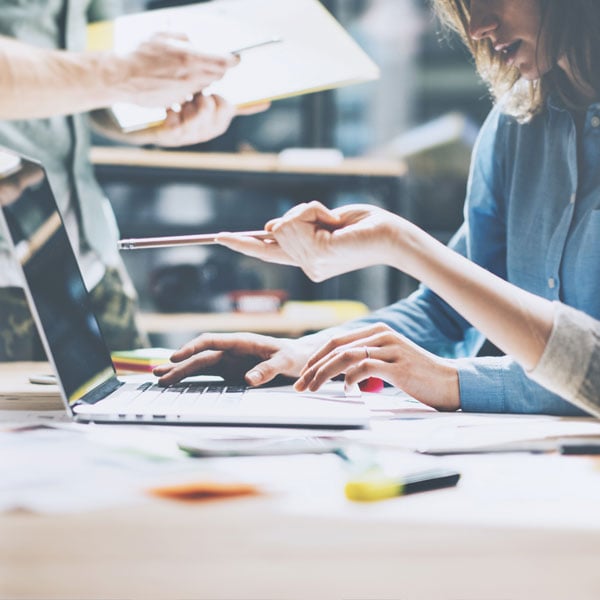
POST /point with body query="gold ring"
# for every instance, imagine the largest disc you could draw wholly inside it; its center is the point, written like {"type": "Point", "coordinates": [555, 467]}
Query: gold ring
{"type": "Point", "coordinates": [367, 352]}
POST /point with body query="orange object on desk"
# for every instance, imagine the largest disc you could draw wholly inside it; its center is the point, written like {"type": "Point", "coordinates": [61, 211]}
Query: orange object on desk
{"type": "Point", "coordinates": [204, 490]}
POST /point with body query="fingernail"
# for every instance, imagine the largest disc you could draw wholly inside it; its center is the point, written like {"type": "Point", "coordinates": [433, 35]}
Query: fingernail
{"type": "Point", "coordinates": [253, 377]}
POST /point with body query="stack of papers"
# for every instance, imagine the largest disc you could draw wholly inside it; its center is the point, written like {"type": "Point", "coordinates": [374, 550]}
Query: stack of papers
{"type": "Point", "coordinates": [142, 360]}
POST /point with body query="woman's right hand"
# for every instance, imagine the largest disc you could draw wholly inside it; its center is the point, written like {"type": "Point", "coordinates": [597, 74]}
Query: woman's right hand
{"type": "Point", "coordinates": [325, 243]}
{"type": "Point", "coordinates": [255, 358]}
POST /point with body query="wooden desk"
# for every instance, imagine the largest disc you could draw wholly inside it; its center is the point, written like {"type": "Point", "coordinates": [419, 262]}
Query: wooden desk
{"type": "Point", "coordinates": [253, 549]}
{"type": "Point", "coordinates": [494, 537]}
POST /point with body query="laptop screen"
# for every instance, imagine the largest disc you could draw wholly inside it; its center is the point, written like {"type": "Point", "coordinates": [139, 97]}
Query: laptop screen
{"type": "Point", "coordinates": [57, 295]}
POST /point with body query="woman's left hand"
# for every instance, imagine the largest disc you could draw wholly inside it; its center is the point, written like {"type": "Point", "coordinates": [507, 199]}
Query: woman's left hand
{"type": "Point", "coordinates": [379, 351]}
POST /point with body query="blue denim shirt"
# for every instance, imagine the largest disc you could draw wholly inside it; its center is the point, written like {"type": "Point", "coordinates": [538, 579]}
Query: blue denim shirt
{"type": "Point", "coordinates": [532, 216]}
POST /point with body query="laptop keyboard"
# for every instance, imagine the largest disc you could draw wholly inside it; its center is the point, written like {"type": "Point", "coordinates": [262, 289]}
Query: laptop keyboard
{"type": "Point", "coordinates": [182, 396]}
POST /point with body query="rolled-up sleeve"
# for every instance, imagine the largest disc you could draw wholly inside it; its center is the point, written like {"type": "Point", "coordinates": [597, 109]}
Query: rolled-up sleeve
{"type": "Point", "coordinates": [570, 364]}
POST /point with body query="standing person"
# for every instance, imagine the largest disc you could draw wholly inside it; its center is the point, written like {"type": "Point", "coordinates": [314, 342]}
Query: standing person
{"type": "Point", "coordinates": [45, 75]}
{"type": "Point", "coordinates": [531, 215]}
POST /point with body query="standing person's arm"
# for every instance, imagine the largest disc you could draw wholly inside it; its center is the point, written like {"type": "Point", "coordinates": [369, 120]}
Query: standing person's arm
{"type": "Point", "coordinates": [165, 70]}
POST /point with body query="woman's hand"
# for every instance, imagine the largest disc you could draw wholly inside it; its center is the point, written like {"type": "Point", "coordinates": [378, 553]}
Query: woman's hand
{"type": "Point", "coordinates": [255, 358]}
{"type": "Point", "coordinates": [324, 242]}
{"type": "Point", "coordinates": [379, 351]}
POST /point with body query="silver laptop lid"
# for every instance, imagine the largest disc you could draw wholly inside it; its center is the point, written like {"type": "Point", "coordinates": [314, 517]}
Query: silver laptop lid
{"type": "Point", "coordinates": [53, 283]}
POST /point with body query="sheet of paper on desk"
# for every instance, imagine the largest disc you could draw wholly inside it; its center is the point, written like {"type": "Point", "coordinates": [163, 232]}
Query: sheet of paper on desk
{"type": "Point", "coordinates": [465, 433]}
{"type": "Point", "coordinates": [315, 52]}
{"type": "Point", "coordinates": [74, 467]}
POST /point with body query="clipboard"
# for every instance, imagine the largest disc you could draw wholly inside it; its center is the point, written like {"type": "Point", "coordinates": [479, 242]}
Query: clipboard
{"type": "Point", "coordinates": [314, 52]}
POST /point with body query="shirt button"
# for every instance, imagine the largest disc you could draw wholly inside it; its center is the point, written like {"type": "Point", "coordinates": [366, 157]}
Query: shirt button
{"type": "Point", "coordinates": [551, 283]}
{"type": "Point", "coordinates": [595, 121]}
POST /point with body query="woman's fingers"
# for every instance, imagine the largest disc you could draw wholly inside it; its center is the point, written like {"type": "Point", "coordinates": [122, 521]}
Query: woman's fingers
{"type": "Point", "coordinates": [170, 374]}
{"type": "Point", "coordinates": [362, 346]}
{"type": "Point", "coordinates": [335, 364]}
{"type": "Point", "coordinates": [266, 250]}
{"type": "Point", "coordinates": [342, 340]}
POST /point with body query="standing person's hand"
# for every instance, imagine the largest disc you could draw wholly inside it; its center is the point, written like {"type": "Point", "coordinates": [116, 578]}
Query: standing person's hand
{"type": "Point", "coordinates": [255, 358]}
{"type": "Point", "coordinates": [324, 242]}
{"type": "Point", "coordinates": [200, 119]}
{"type": "Point", "coordinates": [379, 351]}
{"type": "Point", "coordinates": [163, 71]}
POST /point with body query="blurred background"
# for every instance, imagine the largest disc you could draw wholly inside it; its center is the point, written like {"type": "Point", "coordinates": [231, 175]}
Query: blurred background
{"type": "Point", "coordinates": [424, 111]}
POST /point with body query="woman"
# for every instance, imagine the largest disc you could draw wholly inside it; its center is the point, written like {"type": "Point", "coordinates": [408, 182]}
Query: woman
{"type": "Point", "coordinates": [558, 345]}
{"type": "Point", "coordinates": [531, 217]}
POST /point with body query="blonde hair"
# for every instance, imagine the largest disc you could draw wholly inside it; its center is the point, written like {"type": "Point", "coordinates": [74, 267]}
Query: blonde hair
{"type": "Point", "coordinates": [570, 30]}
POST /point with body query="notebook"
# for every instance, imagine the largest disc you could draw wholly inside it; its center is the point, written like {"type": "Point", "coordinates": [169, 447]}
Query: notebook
{"type": "Point", "coordinates": [75, 347]}
{"type": "Point", "coordinates": [313, 51]}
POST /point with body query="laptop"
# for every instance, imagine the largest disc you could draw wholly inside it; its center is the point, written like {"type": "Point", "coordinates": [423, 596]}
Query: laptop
{"type": "Point", "coordinates": [89, 386]}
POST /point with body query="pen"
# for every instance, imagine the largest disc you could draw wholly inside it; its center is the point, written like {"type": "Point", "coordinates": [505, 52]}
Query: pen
{"type": "Point", "coordinates": [275, 40]}
{"type": "Point", "coordinates": [184, 240]}
{"type": "Point", "coordinates": [374, 488]}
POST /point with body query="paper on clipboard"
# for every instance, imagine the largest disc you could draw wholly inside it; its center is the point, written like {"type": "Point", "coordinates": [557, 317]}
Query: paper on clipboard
{"type": "Point", "coordinates": [315, 52]}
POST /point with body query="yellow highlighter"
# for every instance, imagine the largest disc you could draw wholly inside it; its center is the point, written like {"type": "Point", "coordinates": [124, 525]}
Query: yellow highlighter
{"type": "Point", "coordinates": [374, 487]}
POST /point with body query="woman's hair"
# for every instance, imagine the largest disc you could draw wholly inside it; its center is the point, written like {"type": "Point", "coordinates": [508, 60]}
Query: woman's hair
{"type": "Point", "coordinates": [571, 29]}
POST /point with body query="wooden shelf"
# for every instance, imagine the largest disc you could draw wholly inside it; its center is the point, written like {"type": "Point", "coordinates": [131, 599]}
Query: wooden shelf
{"type": "Point", "coordinates": [251, 162]}
{"type": "Point", "coordinates": [267, 323]}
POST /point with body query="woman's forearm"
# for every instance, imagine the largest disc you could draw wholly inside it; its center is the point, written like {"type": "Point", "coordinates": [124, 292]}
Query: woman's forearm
{"type": "Point", "coordinates": [516, 321]}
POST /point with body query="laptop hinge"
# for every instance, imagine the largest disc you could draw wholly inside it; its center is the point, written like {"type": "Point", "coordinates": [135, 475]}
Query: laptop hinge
{"type": "Point", "coordinates": [102, 391]}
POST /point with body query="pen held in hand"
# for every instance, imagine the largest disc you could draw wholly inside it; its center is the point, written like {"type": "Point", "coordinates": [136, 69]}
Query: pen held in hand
{"type": "Point", "coordinates": [275, 40]}
{"type": "Point", "coordinates": [185, 240]}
